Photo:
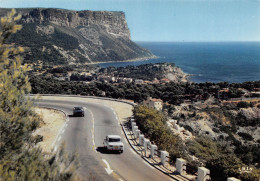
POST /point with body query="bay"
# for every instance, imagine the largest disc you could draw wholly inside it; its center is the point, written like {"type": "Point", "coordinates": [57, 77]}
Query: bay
{"type": "Point", "coordinates": [206, 61]}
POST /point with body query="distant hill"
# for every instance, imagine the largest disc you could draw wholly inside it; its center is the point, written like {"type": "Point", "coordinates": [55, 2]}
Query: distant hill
{"type": "Point", "coordinates": [60, 36]}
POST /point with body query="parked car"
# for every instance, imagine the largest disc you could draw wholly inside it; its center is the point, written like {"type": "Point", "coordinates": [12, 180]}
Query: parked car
{"type": "Point", "coordinates": [113, 143]}
{"type": "Point", "coordinates": [78, 111]}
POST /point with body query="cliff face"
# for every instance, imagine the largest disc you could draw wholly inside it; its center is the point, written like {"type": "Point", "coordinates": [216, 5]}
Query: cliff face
{"type": "Point", "coordinates": [64, 36]}
{"type": "Point", "coordinates": [113, 23]}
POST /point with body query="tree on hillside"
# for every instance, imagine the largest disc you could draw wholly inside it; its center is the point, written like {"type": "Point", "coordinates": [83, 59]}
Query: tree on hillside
{"type": "Point", "coordinates": [19, 160]}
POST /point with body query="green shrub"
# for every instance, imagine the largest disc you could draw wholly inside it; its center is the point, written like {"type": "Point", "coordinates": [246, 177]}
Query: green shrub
{"type": "Point", "coordinates": [245, 136]}
{"type": "Point", "coordinates": [243, 104]}
{"type": "Point", "coordinates": [153, 124]}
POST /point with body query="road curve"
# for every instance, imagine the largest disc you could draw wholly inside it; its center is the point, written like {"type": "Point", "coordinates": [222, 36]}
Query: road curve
{"type": "Point", "coordinates": [85, 136]}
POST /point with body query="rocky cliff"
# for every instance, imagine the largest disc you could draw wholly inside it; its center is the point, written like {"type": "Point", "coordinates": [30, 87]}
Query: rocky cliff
{"type": "Point", "coordinates": [220, 122]}
{"type": "Point", "coordinates": [63, 36]}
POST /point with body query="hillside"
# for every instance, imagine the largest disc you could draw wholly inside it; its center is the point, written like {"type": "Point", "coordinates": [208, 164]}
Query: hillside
{"type": "Point", "coordinates": [236, 126]}
{"type": "Point", "coordinates": [59, 36]}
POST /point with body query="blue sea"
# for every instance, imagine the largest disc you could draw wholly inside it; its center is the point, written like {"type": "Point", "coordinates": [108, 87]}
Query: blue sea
{"type": "Point", "coordinates": [208, 61]}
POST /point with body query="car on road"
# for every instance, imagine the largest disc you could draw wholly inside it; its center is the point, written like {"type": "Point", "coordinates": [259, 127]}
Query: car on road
{"type": "Point", "coordinates": [113, 143]}
{"type": "Point", "coordinates": [78, 111]}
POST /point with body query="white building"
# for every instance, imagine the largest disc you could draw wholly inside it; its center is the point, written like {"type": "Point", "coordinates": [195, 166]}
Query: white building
{"type": "Point", "coordinates": [154, 103]}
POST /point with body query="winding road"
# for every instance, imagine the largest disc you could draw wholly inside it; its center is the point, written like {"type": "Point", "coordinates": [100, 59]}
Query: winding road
{"type": "Point", "coordinates": [85, 136]}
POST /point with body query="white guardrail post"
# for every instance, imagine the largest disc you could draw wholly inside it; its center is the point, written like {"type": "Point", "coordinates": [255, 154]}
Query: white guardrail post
{"type": "Point", "coordinates": [137, 133]}
{"type": "Point", "coordinates": [153, 148]}
{"type": "Point", "coordinates": [134, 130]}
{"type": "Point", "coordinates": [133, 124]}
{"type": "Point", "coordinates": [181, 166]}
{"type": "Point", "coordinates": [203, 174]}
{"type": "Point", "coordinates": [141, 140]}
{"type": "Point", "coordinates": [146, 143]}
{"type": "Point", "coordinates": [164, 157]}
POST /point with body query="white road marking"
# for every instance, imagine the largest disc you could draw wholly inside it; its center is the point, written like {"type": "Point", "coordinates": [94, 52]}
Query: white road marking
{"type": "Point", "coordinates": [93, 142]}
{"type": "Point", "coordinates": [93, 128]}
{"type": "Point", "coordinates": [63, 131]}
{"type": "Point", "coordinates": [108, 169]}
{"type": "Point", "coordinates": [120, 179]}
{"type": "Point", "coordinates": [59, 138]}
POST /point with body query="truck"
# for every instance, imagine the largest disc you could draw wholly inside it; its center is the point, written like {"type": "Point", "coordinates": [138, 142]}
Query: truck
{"type": "Point", "coordinates": [113, 143]}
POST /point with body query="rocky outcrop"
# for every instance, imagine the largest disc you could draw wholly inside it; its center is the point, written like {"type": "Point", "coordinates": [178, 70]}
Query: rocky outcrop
{"type": "Point", "coordinates": [250, 113]}
{"type": "Point", "coordinates": [175, 74]}
{"type": "Point", "coordinates": [169, 71]}
{"type": "Point", "coordinates": [210, 122]}
{"type": "Point", "coordinates": [84, 36]}
{"type": "Point", "coordinates": [178, 130]}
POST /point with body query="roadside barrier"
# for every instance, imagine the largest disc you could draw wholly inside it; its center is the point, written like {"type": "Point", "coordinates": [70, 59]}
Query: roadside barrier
{"type": "Point", "coordinates": [153, 150]}
{"type": "Point", "coordinates": [164, 157]}
{"type": "Point", "coordinates": [141, 140]}
{"type": "Point", "coordinates": [181, 166]}
{"type": "Point", "coordinates": [137, 133]}
{"type": "Point", "coordinates": [203, 174]}
{"type": "Point", "coordinates": [161, 157]}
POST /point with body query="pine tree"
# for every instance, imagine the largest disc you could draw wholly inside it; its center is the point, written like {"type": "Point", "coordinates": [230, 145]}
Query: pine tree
{"type": "Point", "coordinates": [17, 119]}
{"type": "Point", "coordinates": [19, 159]}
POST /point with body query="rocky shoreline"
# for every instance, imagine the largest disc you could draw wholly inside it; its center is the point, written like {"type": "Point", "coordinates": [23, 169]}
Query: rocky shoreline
{"type": "Point", "coordinates": [176, 74]}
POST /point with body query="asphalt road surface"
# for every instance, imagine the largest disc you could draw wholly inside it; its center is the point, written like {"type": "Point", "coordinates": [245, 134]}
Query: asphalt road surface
{"type": "Point", "coordinates": [85, 136]}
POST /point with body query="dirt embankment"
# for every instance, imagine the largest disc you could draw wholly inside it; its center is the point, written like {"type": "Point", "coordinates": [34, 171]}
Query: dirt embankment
{"type": "Point", "coordinates": [53, 122]}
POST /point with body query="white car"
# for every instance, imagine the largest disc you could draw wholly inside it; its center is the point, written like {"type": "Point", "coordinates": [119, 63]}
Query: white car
{"type": "Point", "coordinates": [113, 142]}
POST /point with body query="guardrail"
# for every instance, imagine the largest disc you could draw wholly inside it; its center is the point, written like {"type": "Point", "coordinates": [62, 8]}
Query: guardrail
{"type": "Point", "coordinates": [151, 151]}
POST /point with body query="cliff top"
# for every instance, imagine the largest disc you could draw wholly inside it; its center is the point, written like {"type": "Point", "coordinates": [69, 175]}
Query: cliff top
{"type": "Point", "coordinates": [61, 36]}
{"type": "Point", "coordinates": [4, 11]}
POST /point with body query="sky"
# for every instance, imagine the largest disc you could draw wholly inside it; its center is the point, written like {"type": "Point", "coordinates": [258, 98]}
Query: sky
{"type": "Point", "coordinates": [172, 20]}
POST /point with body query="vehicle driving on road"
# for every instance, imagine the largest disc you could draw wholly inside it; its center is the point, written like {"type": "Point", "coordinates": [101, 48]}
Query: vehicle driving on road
{"type": "Point", "coordinates": [113, 143]}
{"type": "Point", "coordinates": [78, 111]}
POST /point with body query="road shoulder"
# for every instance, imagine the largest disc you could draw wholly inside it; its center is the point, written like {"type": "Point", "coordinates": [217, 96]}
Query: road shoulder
{"type": "Point", "coordinates": [53, 122]}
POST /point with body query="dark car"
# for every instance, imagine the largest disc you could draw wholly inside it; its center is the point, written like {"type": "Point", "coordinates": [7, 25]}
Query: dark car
{"type": "Point", "coordinates": [78, 111]}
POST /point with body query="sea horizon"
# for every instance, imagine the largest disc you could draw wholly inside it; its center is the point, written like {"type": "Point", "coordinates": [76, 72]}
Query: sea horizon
{"type": "Point", "coordinates": [227, 61]}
